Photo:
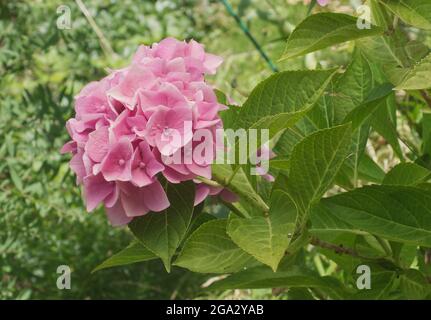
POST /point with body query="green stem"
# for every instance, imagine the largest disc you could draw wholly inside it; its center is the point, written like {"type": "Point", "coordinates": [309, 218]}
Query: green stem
{"type": "Point", "coordinates": [247, 32]}
{"type": "Point", "coordinates": [384, 246]}
{"type": "Point", "coordinates": [209, 182]}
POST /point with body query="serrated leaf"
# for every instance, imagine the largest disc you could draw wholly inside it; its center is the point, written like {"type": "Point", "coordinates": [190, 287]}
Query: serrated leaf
{"type": "Point", "coordinates": [266, 237]}
{"type": "Point", "coordinates": [210, 250]}
{"type": "Point", "coordinates": [419, 76]}
{"type": "Point", "coordinates": [365, 111]}
{"type": "Point", "coordinates": [397, 213]}
{"type": "Point", "coordinates": [388, 50]}
{"type": "Point", "coordinates": [314, 164]}
{"type": "Point", "coordinates": [322, 30]}
{"type": "Point", "coordinates": [162, 232]}
{"type": "Point", "coordinates": [281, 100]}
{"type": "Point", "coordinates": [414, 12]}
{"type": "Point", "coordinates": [133, 253]}
{"type": "Point", "coordinates": [384, 122]}
{"type": "Point", "coordinates": [407, 174]}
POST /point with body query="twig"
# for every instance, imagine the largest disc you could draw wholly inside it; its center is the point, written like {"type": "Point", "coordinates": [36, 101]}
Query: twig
{"type": "Point", "coordinates": [244, 29]}
{"type": "Point", "coordinates": [104, 43]}
{"type": "Point", "coordinates": [338, 249]}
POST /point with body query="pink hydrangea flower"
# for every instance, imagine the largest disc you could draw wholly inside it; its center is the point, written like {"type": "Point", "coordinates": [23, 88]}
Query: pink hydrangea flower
{"type": "Point", "coordinates": [125, 123]}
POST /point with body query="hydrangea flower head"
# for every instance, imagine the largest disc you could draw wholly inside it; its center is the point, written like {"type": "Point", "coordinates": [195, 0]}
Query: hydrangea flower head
{"type": "Point", "coordinates": [125, 123]}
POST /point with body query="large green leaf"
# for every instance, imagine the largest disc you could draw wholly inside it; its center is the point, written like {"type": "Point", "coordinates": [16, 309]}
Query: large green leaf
{"type": "Point", "coordinates": [322, 30]}
{"type": "Point", "coordinates": [396, 213]}
{"type": "Point", "coordinates": [407, 174]}
{"type": "Point", "coordinates": [414, 12]}
{"type": "Point", "coordinates": [282, 99]}
{"type": "Point", "coordinates": [366, 110]}
{"type": "Point", "coordinates": [414, 285]}
{"type": "Point", "coordinates": [314, 163]}
{"type": "Point", "coordinates": [324, 222]}
{"type": "Point", "coordinates": [210, 250]}
{"type": "Point", "coordinates": [133, 253]}
{"type": "Point", "coordinates": [382, 284]}
{"type": "Point", "coordinates": [267, 237]}
{"type": "Point", "coordinates": [384, 121]}
{"type": "Point", "coordinates": [419, 76]}
{"type": "Point", "coordinates": [389, 50]}
{"type": "Point", "coordinates": [263, 277]}
{"type": "Point", "coordinates": [162, 232]}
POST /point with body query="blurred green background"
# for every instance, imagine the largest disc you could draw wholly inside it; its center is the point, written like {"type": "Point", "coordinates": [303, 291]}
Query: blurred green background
{"type": "Point", "coordinates": [43, 223]}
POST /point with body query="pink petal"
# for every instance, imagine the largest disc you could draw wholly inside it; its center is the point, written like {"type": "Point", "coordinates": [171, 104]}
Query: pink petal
{"type": "Point", "coordinates": [132, 199]}
{"type": "Point", "coordinates": [202, 192]}
{"type": "Point", "coordinates": [97, 144]}
{"type": "Point", "coordinates": [96, 189]}
{"type": "Point", "coordinates": [117, 215]}
{"type": "Point", "coordinates": [155, 197]}
{"type": "Point", "coordinates": [212, 62]}
{"type": "Point", "coordinates": [68, 147]}
{"type": "Point", "coordinates": [117, 163]}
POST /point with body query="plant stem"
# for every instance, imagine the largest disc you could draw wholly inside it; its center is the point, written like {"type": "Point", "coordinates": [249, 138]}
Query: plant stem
{"type": "Point", "coordinates": [246, 31]}
{"type": "Point", "coordinates": [209, 182]}
{"type": "Point", "coordinates": [104, 43]}
{"type": "Point", "coordinates": [338, 249]}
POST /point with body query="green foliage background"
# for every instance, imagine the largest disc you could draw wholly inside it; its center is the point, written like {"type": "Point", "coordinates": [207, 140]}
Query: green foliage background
{"type": "Point", "coordinates": [43, 223]}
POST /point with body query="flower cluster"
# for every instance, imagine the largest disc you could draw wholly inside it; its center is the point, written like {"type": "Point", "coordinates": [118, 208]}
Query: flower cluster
{"type": "Point", "coordinates": [125, 123]}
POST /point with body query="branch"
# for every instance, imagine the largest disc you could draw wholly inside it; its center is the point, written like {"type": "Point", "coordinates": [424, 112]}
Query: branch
{"type": "Point", "coordinates": [338, 249]}
{"type": "Point", "coordinates": [426, 97]}
{"type": "Point", "coordinates": [209, 182]}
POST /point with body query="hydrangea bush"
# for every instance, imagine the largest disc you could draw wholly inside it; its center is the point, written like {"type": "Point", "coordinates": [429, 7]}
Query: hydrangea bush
{"type": "Point", "coordinates": [124, 126]}
{"type": "Point", "coordinates": [323, 191]}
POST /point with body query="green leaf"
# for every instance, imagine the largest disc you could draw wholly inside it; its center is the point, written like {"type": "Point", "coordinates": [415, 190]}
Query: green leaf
{"type": "Point", "coordinates": [133, 253]}
{"type": "Point", "coordinates": [396, 213]}
{"type": "Point", "coordinates": [324, 222]}
{"type": "Point", "coordinates": [314, 163]}
{"type": "Point", "coordinates": [15, 177]}
{"type": "Point", "coordinates": [266, 237]}
{"type": "Point", "coordinates": [365, 111]}
{"type": "Point", "coordinates": [322, 30]}
{"type": "Point", "coordinates": [414, 12]}
{"type": "Point", "coordinates": [407, 174]}
{"type": "Point", "coordinates": [382, 283]}
{"type": "Point", "coordinates": [414, 285]}
{"type": "Point", "coordinates": [419, 76]}
{"type": "Point", "coordinates": [388, 50]}
{"type": "Point", "coordinates": [281, 100]}
{"type": "Point", "coordinates": [210, 250]}
{"type": "Point", "coordinates": [162, 232]}
{"type": "Point", "coordinates": [263, 277]}
{"type": "Point", "coordinates": [384, 121]}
